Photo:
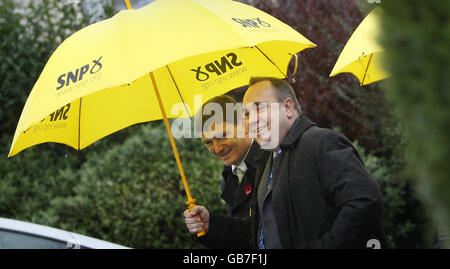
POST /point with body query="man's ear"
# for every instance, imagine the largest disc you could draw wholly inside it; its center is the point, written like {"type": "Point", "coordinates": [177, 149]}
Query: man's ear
{"type": "Point", "coordinates": [289, 107]}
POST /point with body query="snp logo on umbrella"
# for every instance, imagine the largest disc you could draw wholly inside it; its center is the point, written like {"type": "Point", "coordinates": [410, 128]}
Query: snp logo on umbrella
{"type": "Point", "coordinates": [77, 75]}
{"type": "Point", "coordinates": [251, 22]}
{"type": "Point", "coordinates": [217, 67]}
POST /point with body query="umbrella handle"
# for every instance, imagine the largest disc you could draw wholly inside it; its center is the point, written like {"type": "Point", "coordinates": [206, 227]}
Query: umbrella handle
{"type": "Point", "coordinates": [191, 204]}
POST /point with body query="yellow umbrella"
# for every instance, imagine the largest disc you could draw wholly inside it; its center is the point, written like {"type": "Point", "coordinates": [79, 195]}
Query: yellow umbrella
{"type": "Point", "coordinates": [107, 76]}
{"type": "Point", "coordinates": [362, 54]}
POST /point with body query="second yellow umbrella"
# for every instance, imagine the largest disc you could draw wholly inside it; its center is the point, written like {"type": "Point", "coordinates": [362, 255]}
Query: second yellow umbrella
{"type": "Point", "coordinates": [362, 54]}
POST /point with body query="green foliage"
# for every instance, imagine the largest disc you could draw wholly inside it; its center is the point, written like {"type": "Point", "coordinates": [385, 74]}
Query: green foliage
{"type": "Point", "coordinates": [132, 193]}
{"type": "Point", "coordinates": [29, 34]}
{"type": "Point", "coordinates": [404, 220]}
{"type": "Point", "coordinates": [32, 179]}
{"type": "Point", "coordinates": [416, 35]}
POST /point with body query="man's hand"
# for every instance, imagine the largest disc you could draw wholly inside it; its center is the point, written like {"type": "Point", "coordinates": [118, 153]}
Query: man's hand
{"type": "Point", "coordinates": [193, 222]}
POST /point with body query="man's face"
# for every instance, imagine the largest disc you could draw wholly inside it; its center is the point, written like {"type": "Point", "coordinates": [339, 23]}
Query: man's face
{"type": "Point", "coordinates": [264, 115]}
{"type": "Point", "coordinates": [223, 143]}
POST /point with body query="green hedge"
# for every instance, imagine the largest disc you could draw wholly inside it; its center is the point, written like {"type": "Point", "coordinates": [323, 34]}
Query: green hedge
{"type": "Point", "coordinates": [416, 35]}
{"type": "Point", "coordinates": [29, 35]}
{"type": "Point", "coordinates": [30, 180]}
{"type": "Point", "coordinates": [405, 221]}
{"type": "Point", "coordinates": [132, 193]}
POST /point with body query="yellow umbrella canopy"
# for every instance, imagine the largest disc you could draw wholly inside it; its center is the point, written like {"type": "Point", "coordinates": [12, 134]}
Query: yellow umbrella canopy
{"type": "Point", "coordinates": [362, 54]}
{"type": "Point", "coordinates": [132, 67]}
{"type": "Point", "coordinates": [97, 81]}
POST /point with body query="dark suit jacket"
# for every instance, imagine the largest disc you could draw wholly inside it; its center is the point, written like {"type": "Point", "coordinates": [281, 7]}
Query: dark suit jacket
{"type": "Point", "coordinates": [238, 195]}
{"type": "Point", "coordinates": [240, 201]}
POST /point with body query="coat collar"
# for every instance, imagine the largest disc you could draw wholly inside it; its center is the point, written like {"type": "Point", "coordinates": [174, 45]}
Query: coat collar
{"type": "Point", "coordinates": [255, 155]}
{"type": "Point", "coordinates": [253, 159]}
{"type": "Point", "coordinates": [236, 194]}
{"type": "Point", "coordinates": [300, 125]}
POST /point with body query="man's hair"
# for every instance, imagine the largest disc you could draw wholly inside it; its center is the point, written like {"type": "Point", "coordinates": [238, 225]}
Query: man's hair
{"type": "Point", "coordinates": [282, 90]}
{"type": "Point", "coordinates": [221, 101]}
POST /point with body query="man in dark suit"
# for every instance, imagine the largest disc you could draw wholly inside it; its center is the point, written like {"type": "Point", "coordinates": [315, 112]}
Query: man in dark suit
{"type": "Point", "coordinates": [240, 155]}
{"type": "Point", "coordinates": [314, 191]}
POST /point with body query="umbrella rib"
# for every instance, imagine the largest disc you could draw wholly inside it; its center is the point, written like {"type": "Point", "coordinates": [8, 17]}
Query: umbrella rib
{"type": "Point", "coordinates": [79, 124]}
{"type": "Point", "coordinates": [225, 22]}
{"type": "Point", "coordinates": [285, 75]}
{"type": "Point", "coordinates": [367, 68]}
{"type": "Point", "coordinates": [179, 93]}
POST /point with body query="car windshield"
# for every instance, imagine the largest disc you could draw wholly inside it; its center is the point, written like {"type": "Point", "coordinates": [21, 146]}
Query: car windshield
{"type": "Point", "coordinates": [15, 240]}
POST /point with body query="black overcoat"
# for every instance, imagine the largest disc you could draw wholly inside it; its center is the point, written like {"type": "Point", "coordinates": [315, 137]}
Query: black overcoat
{"type": "Point", "coordinates": [322, 196]}
{"type": "Point", "coordinates": [238, 195]}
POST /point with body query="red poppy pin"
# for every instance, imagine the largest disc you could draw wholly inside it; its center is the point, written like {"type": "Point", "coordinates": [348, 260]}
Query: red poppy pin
{"type": "Point", "coordinates": [247, 189]}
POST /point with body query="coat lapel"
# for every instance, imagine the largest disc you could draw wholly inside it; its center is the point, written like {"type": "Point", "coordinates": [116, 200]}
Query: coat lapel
{"type": "Point", "coordinates": [262, 190]}
{"type": "Point", "coordinates": [233, 192]}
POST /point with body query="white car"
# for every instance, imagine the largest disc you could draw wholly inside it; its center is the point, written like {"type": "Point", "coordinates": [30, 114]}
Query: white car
{"type": "Point", "coordinates": [15, 234]}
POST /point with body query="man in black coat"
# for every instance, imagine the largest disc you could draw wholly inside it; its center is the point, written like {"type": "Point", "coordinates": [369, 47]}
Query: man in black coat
{"type": "Point", "coordinates": [238, 186]}
{"type": "Point", "coordinates": [238, 153]}
{"type": "Point", "coordinates": [241, 156]}
{"type": "Point", "coordinates": [314, 191]}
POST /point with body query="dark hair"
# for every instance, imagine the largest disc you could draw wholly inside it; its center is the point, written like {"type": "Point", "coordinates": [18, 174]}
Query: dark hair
{"type": "Point", "coordinates": [282, 89]}
{"type": "Point", "coordinates": [222, 101]}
